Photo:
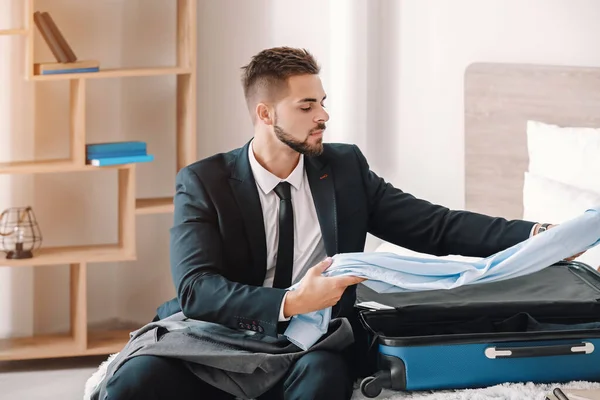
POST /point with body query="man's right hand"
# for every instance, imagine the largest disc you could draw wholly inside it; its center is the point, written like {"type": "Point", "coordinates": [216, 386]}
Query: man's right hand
{"type": "Point", "coordinates": [316, 291]}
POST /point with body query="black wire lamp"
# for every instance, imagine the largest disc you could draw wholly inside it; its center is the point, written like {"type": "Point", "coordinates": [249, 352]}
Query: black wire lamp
{"type": "Point", "coordinates": [20, 234]}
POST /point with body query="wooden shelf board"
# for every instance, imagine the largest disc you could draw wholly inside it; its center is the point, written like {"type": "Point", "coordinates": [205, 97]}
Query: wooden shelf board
{"type": "Point", "coordinates": [50, 166]}
{"type": "Point", "coordinates": [13, 32]}
{"type": "Point", "coordinates": [27, 167]}
{"type": "Point", "coordinates": [161, 205]}
{"type": "Point", "coordinates": [116, 73]}
{"type": "Point", "coordinates": [62, 345]}
{"type": "Point", "coordinates": [71, 255]}
{"type": "Point", "coordinates": [107, 342]}
{"type": "Point", "coordinates": [37, 347]}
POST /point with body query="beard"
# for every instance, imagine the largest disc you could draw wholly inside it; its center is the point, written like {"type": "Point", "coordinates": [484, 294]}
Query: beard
{"type": "Point", "coordinates": [302, 147]}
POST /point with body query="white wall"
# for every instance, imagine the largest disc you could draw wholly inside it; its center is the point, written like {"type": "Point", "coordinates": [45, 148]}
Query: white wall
{"type": "Point", "coordinates": [439, 39]}
{"type": "Point", "coordinates": [16, 138]}
{"type": "Point", "coordinates": [393, 70]}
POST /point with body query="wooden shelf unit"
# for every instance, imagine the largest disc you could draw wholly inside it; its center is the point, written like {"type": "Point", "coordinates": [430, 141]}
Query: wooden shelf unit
{"type": "Point", "coordinates": [161, 205]}
{"type": "Point", "coordinates": [116, 73]}
{"type": "Point", "coordinates": [74, 254]}
{"type": "Point", "coordinates": [4, 32]}
{"type": "Point", "coordinates": [79, 341]}
{"type": "Point", "coordinates": [65, 345]}
{"type": "Point", "coordinates": [50, 166]}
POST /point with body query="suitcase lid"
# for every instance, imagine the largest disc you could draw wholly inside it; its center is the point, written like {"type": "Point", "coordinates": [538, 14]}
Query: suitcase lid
{"type": "Point", "coordinates": [563, 286]}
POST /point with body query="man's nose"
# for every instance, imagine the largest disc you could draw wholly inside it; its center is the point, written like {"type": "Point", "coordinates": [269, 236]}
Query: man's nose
{"type": "Point", "coordinates": [323, 116]}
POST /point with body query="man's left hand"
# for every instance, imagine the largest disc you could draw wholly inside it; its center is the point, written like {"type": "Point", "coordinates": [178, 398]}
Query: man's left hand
{"type": "Point", "coordinates": [535, 232]}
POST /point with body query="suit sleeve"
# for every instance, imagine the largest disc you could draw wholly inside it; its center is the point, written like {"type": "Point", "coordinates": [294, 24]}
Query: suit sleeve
{"type": "Point", "coordinates": [402, 219]}
{"type": "Point", "coordinates": [196, 267]}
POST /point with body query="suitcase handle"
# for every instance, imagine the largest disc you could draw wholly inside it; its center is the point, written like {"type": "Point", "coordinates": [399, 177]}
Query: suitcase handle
{"type": "Point", "coordinates": [539, 351]}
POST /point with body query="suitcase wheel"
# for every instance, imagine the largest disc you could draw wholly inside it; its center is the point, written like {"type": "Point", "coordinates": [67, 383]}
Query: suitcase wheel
{"type": "Point", "coordinates": [370, 387]}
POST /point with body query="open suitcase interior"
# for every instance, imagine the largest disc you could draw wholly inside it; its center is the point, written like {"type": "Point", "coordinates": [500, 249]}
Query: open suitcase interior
{"type": "Point", "coordinates": [560, 297]}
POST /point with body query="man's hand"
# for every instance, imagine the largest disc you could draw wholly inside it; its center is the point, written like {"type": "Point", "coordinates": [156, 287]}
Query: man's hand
{"type": "Point", "coordinates": [535, 232]}
{"type": "Point", "coordinates": [317, 292]}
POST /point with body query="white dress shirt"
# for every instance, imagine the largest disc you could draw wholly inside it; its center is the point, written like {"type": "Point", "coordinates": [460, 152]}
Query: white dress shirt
{"type": "Point", "coordinates": [393, 273]}
{"type": "Point", "coordinates": [309, 248]}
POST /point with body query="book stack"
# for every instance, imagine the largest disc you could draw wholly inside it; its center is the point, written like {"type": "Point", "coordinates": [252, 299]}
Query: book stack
{"type": "Point", "coordinates": [64, 54]}
{"type": "Point", "coordinates": [115, 153]}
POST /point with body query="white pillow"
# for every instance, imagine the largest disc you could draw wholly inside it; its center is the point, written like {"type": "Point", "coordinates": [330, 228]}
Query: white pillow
{"type": "Point", "coordinates": [563, 154]}
{"type": "Point", "coordinates": [546, 200]}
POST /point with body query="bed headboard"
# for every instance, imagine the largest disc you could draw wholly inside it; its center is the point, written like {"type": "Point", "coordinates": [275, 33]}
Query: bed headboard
{"type": "Point", "coordinates": [499, 99]}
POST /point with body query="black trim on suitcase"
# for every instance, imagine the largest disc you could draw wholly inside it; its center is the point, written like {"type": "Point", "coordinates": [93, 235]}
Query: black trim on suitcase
{"type": "Point", "coordinates": [470, 338]}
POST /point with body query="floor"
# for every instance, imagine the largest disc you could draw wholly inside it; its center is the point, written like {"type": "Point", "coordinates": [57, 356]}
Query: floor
{"type": "Point", "coordinates": [65, 379]}
{"type": "Point", "coordinates": [62, 378]}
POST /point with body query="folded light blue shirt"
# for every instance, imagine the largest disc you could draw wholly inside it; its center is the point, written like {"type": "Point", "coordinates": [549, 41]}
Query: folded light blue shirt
{"type": "Point", "coordinates": [389, 273]}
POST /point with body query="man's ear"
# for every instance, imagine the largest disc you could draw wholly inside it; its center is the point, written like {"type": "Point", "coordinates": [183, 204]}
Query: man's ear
{"type": "Point", "coordinates": [264, 113]}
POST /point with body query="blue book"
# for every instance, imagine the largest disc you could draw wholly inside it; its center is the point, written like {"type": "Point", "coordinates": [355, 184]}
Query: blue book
{"type": "Point", "coordinates": [105, 161]}
{"type": "Point", "coordinates": [120, 153]}
{"type": "Point", "coordinates": [102, 148]}
{"type": "Point", "coordinates": [70, 71]}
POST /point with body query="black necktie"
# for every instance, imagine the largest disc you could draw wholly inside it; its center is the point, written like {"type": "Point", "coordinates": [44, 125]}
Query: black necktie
{"type": "Point", "coordinates": [285, 248]}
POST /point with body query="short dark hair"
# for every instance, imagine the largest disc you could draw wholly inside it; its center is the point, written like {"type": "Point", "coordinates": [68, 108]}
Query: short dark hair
{"type": "Point", "coordinates": [268, 71]}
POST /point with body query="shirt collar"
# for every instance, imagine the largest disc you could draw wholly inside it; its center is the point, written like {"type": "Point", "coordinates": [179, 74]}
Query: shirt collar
{"type": "Point", "coordinates": [267, 181]}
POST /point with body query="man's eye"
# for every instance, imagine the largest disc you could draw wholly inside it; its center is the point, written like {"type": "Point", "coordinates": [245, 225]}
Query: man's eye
{"type": "Point", "coordinates": [305, 109]}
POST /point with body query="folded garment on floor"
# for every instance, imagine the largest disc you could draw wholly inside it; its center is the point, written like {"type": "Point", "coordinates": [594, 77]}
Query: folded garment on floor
{"type": "Point", "coordinates": [245, 364]}
{"type": "Point", "coordinates": [389, 273]}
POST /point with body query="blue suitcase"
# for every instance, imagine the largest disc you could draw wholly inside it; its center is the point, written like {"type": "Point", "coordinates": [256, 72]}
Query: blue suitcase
{"type": "Point", "coordinates": [542, 328]}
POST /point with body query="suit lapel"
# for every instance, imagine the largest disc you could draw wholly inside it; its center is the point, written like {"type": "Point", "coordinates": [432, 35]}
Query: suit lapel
{"type": "Point", "coordinates": [245, 192]}
{"type": "Point", "coordinates": [320, 180]}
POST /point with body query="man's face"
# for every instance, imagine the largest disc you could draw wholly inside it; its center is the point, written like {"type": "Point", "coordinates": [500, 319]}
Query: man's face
{"type": "Point", "coordinates": [300, 116]}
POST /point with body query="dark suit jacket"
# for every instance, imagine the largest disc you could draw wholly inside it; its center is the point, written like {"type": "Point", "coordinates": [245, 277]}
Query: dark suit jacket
{"type": "Point", "coordinates": [218, 251]}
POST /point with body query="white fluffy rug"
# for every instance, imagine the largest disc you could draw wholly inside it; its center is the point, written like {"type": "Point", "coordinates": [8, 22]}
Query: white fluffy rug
{"type": "Point", "coordinates": [515, 391]}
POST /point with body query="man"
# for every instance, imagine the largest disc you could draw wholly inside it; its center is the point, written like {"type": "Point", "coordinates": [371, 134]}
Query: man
{"type": "Point", "coordinates": [251, 222]}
